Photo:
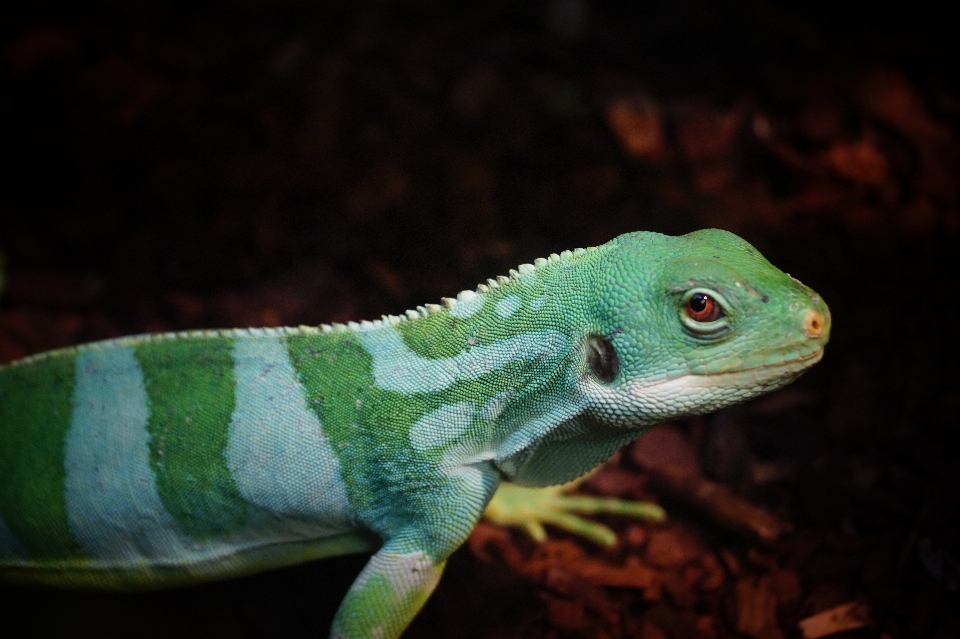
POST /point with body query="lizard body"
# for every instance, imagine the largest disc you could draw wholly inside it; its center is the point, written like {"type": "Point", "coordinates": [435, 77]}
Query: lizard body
{"type": "Point", "coordinates": [159, 460]}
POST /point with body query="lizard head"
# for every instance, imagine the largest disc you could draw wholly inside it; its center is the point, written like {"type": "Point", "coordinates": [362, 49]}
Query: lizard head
{"type": "Point", "coordinates": [693, 323]}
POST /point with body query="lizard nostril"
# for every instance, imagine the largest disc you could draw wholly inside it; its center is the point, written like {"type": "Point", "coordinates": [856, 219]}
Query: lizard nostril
{"type": "Point", "coordinates": [814, 324]}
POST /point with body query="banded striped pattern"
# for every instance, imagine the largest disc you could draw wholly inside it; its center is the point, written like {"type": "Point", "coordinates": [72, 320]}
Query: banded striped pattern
{"type": "Point", "coordinates": [157, 459]}
{"type": "Point", "coordinates": [135, 453]}
{"type": "Point", "coordinates": [182, 450]}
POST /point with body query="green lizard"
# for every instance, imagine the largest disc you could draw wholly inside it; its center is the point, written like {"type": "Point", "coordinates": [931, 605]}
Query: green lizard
{"type": "Point", "coordinates": [158, 460]}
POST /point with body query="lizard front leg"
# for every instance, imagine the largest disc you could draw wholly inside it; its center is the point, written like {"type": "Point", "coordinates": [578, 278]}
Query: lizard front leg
{"type": "Point", "coordinates": [388, 593]}
{"type": "Point", "coordinates": [399, 578]}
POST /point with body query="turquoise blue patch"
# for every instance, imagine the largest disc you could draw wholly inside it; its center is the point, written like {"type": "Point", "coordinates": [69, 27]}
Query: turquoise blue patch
{"type": "Point", "coordinates": [277, 451]}
{"type": "Point", "coordinates": [508, 306]}
{"type": "Point", "coordinates": [113, 506]}
{"type": "Point", "coordinates": [442, 425]}
{"type": "Point", "coordinates": [397, 368]}
{"type": "Point", "coordinates": [495, 405]}
{"type": "Point", "coordinates": [544, 417]}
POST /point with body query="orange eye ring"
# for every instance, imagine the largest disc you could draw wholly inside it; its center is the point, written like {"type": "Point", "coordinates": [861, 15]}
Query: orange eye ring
{"type": "Point", "coordinates": [703, 308]}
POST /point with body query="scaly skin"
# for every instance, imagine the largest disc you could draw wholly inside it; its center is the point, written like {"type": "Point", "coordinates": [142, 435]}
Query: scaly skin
{"type": "Point", "coordinates": [167, 459]}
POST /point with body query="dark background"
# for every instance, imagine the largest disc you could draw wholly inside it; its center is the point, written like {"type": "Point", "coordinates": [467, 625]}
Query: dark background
{"type": "Point", "coordinates": [183, 165]}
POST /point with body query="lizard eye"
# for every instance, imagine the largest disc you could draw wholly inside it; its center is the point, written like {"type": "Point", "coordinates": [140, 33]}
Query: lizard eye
{"type": "Point", "coordinates": [603, 360]}
{"type": "Point", "coordinates": [703, 308]}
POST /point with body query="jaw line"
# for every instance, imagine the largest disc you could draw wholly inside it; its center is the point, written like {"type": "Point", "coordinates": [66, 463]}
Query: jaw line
{"type": "Point", "coordinates": [648, 402]}
{"type": "Point", "coordinates": [763, 373]}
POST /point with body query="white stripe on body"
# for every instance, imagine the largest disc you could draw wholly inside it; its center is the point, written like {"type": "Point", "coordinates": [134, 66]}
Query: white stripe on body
{"type": "Point", "coordinates": [113, 506]}
{"type": "Point", "coordinates": [442, 426]}
{"type": "Point", "coordinates": [508, 306]}
{"type": "Point", "coordinates": [397, 368]}
{"type": "Point", "coordinates": [277, 452]}
{"type": "Point", "coordinates": [548, 414]}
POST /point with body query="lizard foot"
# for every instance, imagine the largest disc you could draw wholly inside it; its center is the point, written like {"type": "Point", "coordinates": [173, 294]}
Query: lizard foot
{"type": "Point", "coordinates": [530, 508]}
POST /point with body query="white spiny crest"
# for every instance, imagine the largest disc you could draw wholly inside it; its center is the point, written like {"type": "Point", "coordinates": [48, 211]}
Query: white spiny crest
{"type": "Point", "coordinates": [426, 310]}
{"type": "Point", "coordinates": [449, 303]}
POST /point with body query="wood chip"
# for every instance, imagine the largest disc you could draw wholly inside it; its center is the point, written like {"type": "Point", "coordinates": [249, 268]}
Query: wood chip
{"type": "Point", "coordinates": [635, 536]}
{"type": "Point", "coordinates": [672, 547]}
{"type": "Point", "coordinates": [650, 631]}
{"type": "Point", "coordinates": [665, 448]}
{"type": "Point", "coordinates": [861, 162]}
{"type": "Point", "coordinates": [756, 609]}
{"type": "Point", "coordinates": [705, 134]}
{"type": "Point", "coordinates": [706, 627]}
{"type": "Point", "coordinates": [671, 460]}
{"type": "Point", "coordinates": [785, 585]}
{"type": "Point", "coordinates": [633, 574]}
{"type": "Point", "coordinates": [679, 588]}
{"type": "Point", "coordinates": [848, 616]}
{"type": "Point", "coordinates": [567, 615]}
{"type": "Point", "coordinates": [639, 127]}
{"type": "Point", "coordinates": [713, 573]}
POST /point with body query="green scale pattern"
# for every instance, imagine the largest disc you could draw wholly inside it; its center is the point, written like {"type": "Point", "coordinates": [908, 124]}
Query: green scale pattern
{"type": "Point", "coordinates": [190, 412]}
{"type": "Point", "coordinates": [37, 399]}
{"type": "Point", "coordinates": [421, 418]}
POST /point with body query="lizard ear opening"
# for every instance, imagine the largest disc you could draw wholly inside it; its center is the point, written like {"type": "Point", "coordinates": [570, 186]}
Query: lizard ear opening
{"type": "Point", "coordinates": [602, 358]}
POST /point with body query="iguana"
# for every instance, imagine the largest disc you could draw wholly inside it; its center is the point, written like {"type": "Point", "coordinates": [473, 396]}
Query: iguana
{"type": "Point", "coordinates": [158, 460]}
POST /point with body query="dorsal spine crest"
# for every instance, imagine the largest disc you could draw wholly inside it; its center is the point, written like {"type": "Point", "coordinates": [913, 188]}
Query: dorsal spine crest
{"type": "Point", "coordinates": [426, 310]}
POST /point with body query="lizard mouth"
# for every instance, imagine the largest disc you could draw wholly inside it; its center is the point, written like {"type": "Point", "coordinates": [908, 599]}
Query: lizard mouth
{"type": "Point", "coordinates": [646, 402]}
{"type": "Point", "coordinates": [774, 365]}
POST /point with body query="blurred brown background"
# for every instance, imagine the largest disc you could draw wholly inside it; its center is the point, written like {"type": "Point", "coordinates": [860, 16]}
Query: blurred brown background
{"type": "Point", "coordinates": [176, 165]}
